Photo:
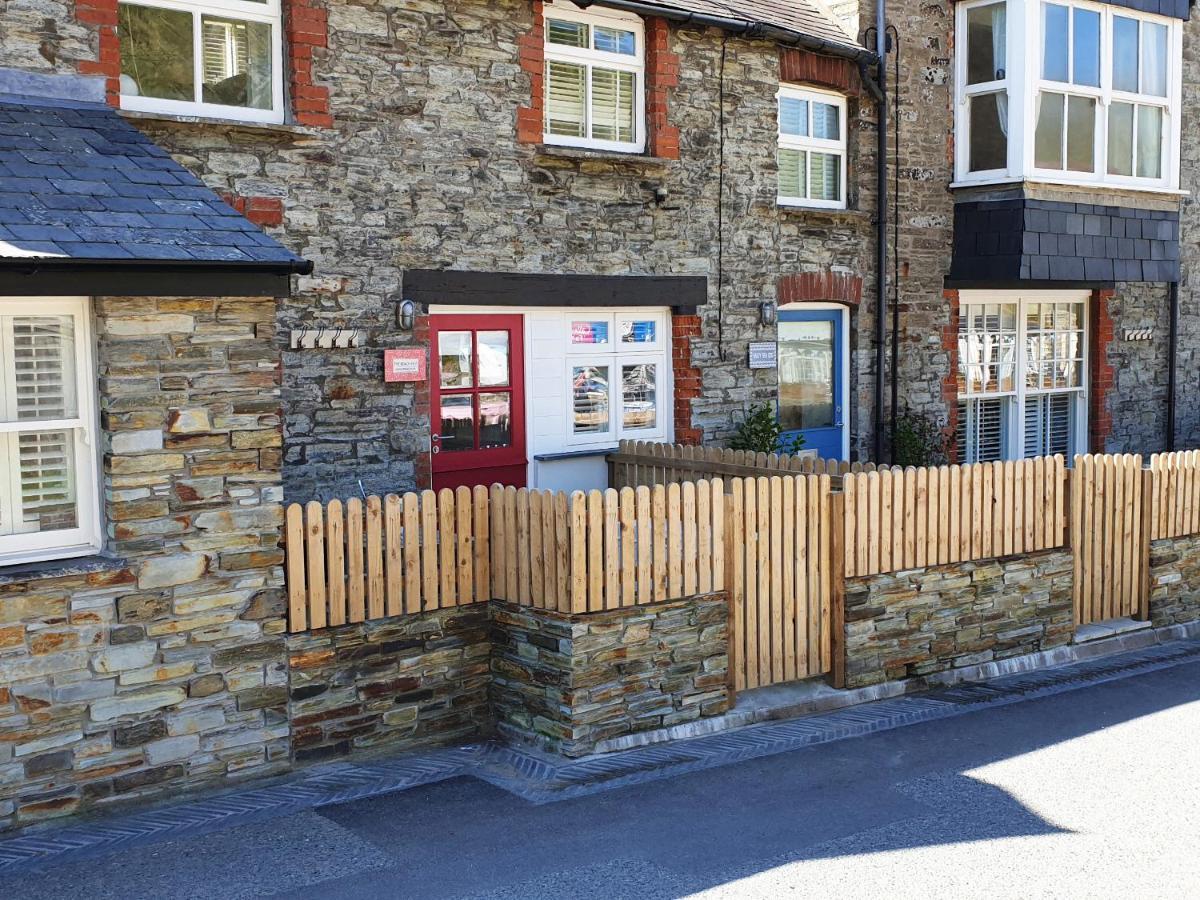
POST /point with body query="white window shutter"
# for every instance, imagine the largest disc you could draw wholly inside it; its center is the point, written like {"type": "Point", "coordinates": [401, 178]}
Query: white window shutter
{"type": "Point", "coordinates": [566, 99]}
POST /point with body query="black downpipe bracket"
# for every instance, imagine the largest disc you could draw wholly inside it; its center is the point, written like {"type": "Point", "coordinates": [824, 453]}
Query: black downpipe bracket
{"type": "Point", "coordinates": [1172, 349]}
{"type": "Point", "coordinates": [880, 222]}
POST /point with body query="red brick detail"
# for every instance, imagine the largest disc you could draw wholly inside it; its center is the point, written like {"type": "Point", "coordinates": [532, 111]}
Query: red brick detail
{"type": "Point", "coordinates": [804, 67]}
{"type": "Point", "coordinates": [422, 407]}
{"type": "Point", "coordinates": [103, 15]}
{"type": "Point", "coordinates": [662, 75]}
{"type": "Point", "coordinates": [834, 287]}
{"type": "Point", "coordinates": [264, 212]}
{"type": "Point", "coordinates": [1103, 374]}
{"type": "Point", "coordinates": [531, 52]}
{"type": "Point", "coordinates": [950, 385]}
{"type": "Point", "coordinates": [305, 28]}
{"type": "Point", "coordinates": [686, 376]}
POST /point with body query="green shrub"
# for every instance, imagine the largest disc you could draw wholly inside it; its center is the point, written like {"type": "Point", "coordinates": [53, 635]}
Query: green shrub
{"type": "Point", "coordinates": [760, 433]}
{"type": "Point", "coordinates": [919, 442]}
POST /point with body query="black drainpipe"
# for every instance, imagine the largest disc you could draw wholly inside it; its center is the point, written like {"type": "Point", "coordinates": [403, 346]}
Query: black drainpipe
{"type": "Point", "coordinates": [880, 220]}
{"type": "Point", "coordinates": [1172, 348]}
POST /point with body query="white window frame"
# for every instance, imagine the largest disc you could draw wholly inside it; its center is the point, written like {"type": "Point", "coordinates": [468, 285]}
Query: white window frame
{"type": "Point", "coordinates": [811, 144]}
{"type": "Point", "coordinates": [1023, 68]}
{"type": "Point", "coordinates": [1014, 423]}
{"type": "Point", "coordinates": [616, 355]}
{"type": "Point", "coordinates": [84, 539]}
{"type": "Point", "coordinates": [268, 12]}
{"type": "Point", "coordinates": [605, 18]}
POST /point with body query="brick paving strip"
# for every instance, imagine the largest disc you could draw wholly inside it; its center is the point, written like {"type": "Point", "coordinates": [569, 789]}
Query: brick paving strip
{"type": "Point", "coordinates": [543, 779]}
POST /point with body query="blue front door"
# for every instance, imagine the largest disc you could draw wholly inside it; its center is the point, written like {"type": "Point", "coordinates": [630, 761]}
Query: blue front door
{"type": "Point", "coordinates": [811, 388]}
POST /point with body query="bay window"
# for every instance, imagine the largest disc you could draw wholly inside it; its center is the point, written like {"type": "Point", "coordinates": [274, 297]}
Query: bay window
{"type": "Point", "coordinates": [812, 148]}
{"type": "Point", "coordinates": [594, 79]}
{"type": "Point", "coordinates": [220, 58]}
{"type": "Point", "coordinates": [1022, 375]}
{"type": "Point", "coordinates": [1067, 91]}
{"type": "Point", "coordinates": [48, 502]}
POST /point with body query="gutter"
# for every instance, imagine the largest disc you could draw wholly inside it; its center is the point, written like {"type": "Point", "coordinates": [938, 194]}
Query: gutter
{"type": "Point", "coordinates": [32, 265]}
{"type": "Point", "coordinates": [746, 27]}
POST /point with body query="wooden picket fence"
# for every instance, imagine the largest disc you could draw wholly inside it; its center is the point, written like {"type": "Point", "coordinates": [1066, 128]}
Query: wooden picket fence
{"type": "Point", "coordinates": [781, 573]}
{"type": "Point", "coordinates": [1174, 494]}
{"type": "Point", "coordinates": [637, 463]}
{"type": "Point", "coordinates": [910, 518]}
{"type": "Point", "coordinates": [404, 554]}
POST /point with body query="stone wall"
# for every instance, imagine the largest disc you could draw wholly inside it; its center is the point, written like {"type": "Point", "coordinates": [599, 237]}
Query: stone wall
{"type": "Point", "coordinates": [1175, 581]}
{"type": "Point", "coordinates": [924, 621]}
{"type": "Point", "coordinates": [568, 682]}
{"type": "Point", "coordinates": [159, 666]}
{"type": "Point", "coordinates": [415, 681]}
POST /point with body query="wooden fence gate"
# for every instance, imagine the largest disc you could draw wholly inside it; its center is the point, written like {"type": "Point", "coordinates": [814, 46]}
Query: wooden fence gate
{"type": "Point", "coordinates": [780, 572]}
{"type": "Point", "coordinates": [1110, 537]}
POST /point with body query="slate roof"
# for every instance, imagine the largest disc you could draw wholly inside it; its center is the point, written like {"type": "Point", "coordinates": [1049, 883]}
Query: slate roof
{"type": "Point", "coordinates": [78, 182]}
{"type": "Point", "coordinates": [808, 17]}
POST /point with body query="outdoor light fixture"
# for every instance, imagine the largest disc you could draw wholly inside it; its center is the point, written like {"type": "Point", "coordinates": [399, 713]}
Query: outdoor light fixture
{"type": "Point", "coordinates": [766, 313]}
{"type": "Point", "coordinates": [406, 315]}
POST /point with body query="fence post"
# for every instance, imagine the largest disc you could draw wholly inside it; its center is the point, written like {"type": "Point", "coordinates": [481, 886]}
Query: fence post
{"type": "Point", "coordinates": [837, 589]}
{"type": "Point", "coordinates": [1147, 533]}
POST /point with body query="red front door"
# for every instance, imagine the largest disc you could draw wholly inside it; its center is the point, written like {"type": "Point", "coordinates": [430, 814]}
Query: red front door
{"type": "Point", "coordinates": [478, 411]}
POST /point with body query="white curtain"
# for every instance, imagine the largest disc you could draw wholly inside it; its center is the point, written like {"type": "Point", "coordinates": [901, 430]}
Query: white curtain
{"type": "Point", "coordinates": [1000, 59]}
{"type": "Point", "coordinates": [1154, 65]}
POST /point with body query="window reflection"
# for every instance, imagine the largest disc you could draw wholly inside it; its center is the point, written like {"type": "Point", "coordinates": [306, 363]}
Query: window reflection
{"type": "Point", "coordinates": [806, 375]}
{"type": "Point", "coordinates": [458, 426]}
{"type": "Point", "coordinates": [493, 358]}
{"type": "Point", "coordinates": [495, 420]}
{"type": "Point", "coordinates": [638, 403]}
{"type": "Point", "coordinates": [454, 355]}
{"type": "Point", "coordinates": [589, 388]}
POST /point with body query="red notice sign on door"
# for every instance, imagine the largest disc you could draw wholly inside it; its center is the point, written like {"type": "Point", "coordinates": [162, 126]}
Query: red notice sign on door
{"type": "Point", "coordinates": [403, 365]}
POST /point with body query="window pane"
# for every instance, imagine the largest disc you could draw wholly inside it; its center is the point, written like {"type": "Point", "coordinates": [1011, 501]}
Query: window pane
{"type": "Point", "coordinates": [1154, 59]}
{"type": "Point", "coordinates": [1086, 66]}
{"type": "Point", "coordinates": [1125, 54]}
{"type": "Point", "coordinates": [614, 40]}
{"type": "Point", "coordinates": [1120, 139]}
{"type": "Point", "coordinates": [793, 116]}
{"type": "Point", "coordinates": [639, 332]}
{"type": "Point", "coordinates": [47, 483]}
{"type": "Point", "coordinates": [986, 43]}
{"type": "Point", "coordinates": [793, 173]}
{"type": "Point", "coordinates": [1149, 142]}
{"type": "Point", "coordinates": [1047, 139]}
{"type": "Point", "coordinates": [458, 423]}
{"type": "Point", "coordinates": [639, 396]}
{"type": "Point", "coordinates": [1055, 30]}
{"type": "Point", "coordinates": [989, 132]}
{"type": "Point", "coordinates": [44, 368]}
{"type": "Point", "coordinates": [454, 355]}
{"type": "Point", "coordinates": [157, 58]}
{"type": "Point", "coordinates": [567, 34]}
{"type": "Point", "coordinates": [1081, 134]}
{"type": "Point", "coordinates": [826, 122]}
{"type": "Point", "coordinates": [826, 178]}
{"type": "Point", "coordinates": [566, 95]}
{"type": "Point", "coordinates": [493, 358]}
{"type": "Point", "coordinates": [612, 105]}
{"type": "Point", "coordinates": [237, 62]}
{"type": "Point", "coordinates": [589, 332]}
{"type": "Point", "coordinates": [589, 389]}
{"type": "Point", "coordinates": [806, 356]}
{"type": "Point", "coordinates": [495, 420]}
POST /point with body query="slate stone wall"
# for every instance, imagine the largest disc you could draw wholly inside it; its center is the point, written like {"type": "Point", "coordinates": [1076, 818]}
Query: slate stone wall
{"type": "Point", "coordinates": [1175, 581]}
{"type": "Point", "coordinates": [924, 621]}
{"type": "Point", "coordinates": [415, 681]}
{"type": "Point", "coordinates": [568, 682]}
{"type": "Point", "coordinates": [133, 678]}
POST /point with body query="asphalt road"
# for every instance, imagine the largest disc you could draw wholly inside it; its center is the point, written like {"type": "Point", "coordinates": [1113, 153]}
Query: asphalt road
{"type": "Point", "coordinates": [1093, 793]}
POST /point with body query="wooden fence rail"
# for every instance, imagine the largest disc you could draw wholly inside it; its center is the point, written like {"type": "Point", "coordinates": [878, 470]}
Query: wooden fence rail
{"type": "Point", "coordinates": [356, 561]}
{"type": "Point", "coordinates": [910, 518]}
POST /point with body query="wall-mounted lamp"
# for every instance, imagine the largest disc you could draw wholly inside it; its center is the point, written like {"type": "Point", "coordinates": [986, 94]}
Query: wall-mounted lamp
{"type": "Point", "coordinates": [767, 313]}
{"type": "Point", "coordinates": [406, 315]}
